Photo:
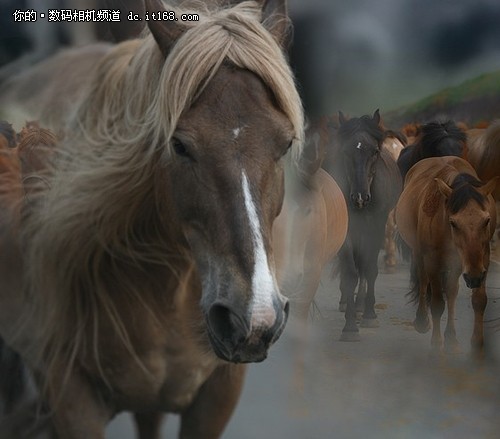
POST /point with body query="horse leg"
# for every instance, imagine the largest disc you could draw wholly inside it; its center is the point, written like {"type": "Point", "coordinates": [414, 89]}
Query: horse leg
{"type": "Point", "coordinates": [209, 413]}
{"type": "Point", "coordinates": [389, 243]}
{"type": "Point", "coordinates": [371, 272]}
{"type": "Point", "coordinates": [421, 323]}
{"type": "Point", "coordinates": [360, 297]}
{"type": "Point", "coordinates": [479, 301]}
{"type": "Point", "coordinates": [348, 282]}
{"type": "Point", "coordinates": [451, 345]}
{"type": "Point", "coordinates": [148, 424]}
{"type": "Point", "coordinates": [437, 309]}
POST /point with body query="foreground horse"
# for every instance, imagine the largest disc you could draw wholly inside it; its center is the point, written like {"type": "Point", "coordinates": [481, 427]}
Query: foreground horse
{"type": "Point", "coordinates": [434, 139]}
{"type": "Point", "coordinates": [447, 217]}
{"type": "Point", "coordinates": [149, 262]}
{"type": "Point", "coordinates": [370, 182]}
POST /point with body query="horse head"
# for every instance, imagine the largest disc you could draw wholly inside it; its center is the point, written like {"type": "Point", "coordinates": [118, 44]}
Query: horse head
{"type": "Point", "coordinates": [472, 218]}
{"type": "Point", "coordinates": [360, 142]}
{"type": "Point", "coordinates": [225, 164]}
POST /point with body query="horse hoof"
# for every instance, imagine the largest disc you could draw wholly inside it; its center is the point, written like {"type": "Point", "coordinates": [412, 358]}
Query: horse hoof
{"type": "Point", "coordinates": [350, 336]}
{"type": "Point", "coordinates": [422, 327]}
{"type": "Point", "coordinates": [342, 307]}
{"type": "Point", "coordinates": [369, 323]}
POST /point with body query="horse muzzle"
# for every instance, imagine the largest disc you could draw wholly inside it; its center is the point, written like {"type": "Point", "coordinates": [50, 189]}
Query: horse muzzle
{"type": "Point", "coordinates": [234, 339]}
{"type": "Point", "coordinates": [360, 200]}
{"type": "Point", "coordinates": [474, 281]}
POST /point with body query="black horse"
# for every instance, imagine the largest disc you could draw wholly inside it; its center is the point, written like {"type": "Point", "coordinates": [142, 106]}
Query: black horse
{"type": "Point", "coordinates": [434, 139]}
{"type": "Point", "coordinates": [371, 183]}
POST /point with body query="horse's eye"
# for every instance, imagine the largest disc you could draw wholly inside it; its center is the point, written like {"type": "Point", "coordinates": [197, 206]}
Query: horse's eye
{"type": "Point", "coordinates": [487, 222]}
{"type": "Point", "coordinates": [453, 224]}
{"type": "Point", "coordinates": [180, 149]}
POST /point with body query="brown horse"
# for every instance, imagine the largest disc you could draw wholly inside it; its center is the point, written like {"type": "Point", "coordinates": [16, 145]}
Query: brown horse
{"type": "Point", "coordinates": [149, 263]}
{"type": "Point", "coordinates": [484, 155]}
{"type": "Point", "coordinates": [447, 217]}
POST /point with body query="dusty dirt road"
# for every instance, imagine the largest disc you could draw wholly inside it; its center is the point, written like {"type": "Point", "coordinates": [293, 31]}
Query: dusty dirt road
{"type": "Point", "coordinates": [386, 386]}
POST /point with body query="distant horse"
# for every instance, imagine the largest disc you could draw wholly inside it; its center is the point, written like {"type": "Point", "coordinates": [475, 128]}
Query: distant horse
{"type": "Point", "coordinates": [447, 217]}
{"type": "Point", "coordinates": [308, 234]}
{"type": "Point", "coordinates": [8, 137]}
{"type": "Point", "coordinates": [393, 143]}
{"type": "Point", "coordinates": [484, 155]}
{"type": "Point", "coordinates": [434, 139]}
{"type": "Point", "coordinates": [149, 263]}
{"type": "Point", "coordinates": [20, 415]}
{"type": "Point", "coordinates": [370, 182]}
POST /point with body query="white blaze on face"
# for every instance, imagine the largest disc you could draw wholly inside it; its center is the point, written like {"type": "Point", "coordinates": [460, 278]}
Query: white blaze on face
{"type": "Point", "coordinates": [236, 133]}
{"type": "Point", "coordinates": [264, 285]}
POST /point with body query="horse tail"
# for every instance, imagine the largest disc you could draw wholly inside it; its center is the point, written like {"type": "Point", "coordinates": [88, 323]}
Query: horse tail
{"type": "Point", "coordinates": [403, 248]}
{"type": "Point", "coordinates": [414, 293]}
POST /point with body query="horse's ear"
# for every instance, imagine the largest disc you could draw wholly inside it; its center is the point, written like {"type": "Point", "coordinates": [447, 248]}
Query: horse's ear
{"type": "Point", "coordinates": [342, 118]}
{"type": "Point", "coordinates": [490, 186]}
{"type": "Point", "coordinates": [124, 29]}
{"type": "Point", "coordinates": [443, 187]}
{"type": "Point", "coordinates": [376, 116]}
{"type": "Point", "coordinates": [166, 32]}
{"type": "Point", "coordinates": [275, 20]}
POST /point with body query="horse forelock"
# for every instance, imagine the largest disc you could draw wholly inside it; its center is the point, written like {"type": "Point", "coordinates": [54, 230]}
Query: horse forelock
{"type": "Point", "coordinates": [356, 125]}
{"type": "Point", "coordinates": [464, 190]}
{"type": "Point", "coordinates": [233, 35]}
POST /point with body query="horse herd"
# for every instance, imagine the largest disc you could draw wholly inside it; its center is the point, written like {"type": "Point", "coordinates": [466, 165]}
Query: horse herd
{"type": "Point", "coordinates": [156, 232]}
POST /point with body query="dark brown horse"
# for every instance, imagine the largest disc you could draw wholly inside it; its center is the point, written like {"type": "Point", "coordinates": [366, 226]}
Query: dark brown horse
{"type": "Point", "coordinates": [433, 139]}
{"type": "Point", "coordinates": [149, 262]}
{"type": "Point", "coordinates": [370, 182]}
{"type": "Point", "coordinates": [447, 217]}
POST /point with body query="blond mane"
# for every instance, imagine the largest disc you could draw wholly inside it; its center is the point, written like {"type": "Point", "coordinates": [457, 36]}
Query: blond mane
{"type": "Point", "coordinates": [100, 225]}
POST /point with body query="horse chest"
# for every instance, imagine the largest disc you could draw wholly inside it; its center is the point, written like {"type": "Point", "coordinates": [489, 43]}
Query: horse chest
{"type": "Point", "coordinates": [165, 378]}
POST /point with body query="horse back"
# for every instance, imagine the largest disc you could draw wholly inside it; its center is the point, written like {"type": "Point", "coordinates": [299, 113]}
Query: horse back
{"type": "Point", "coordinates": [484, 152]}
{"type": "Point", "coordinates": [336, 212]}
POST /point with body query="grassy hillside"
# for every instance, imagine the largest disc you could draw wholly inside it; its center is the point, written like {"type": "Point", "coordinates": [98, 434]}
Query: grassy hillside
{"type": "Point", "coordinates": [473, 101]}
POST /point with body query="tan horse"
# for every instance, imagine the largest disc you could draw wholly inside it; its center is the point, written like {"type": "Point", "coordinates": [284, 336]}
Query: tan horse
{"type": "Point", "coordinates": [447, 217]}
{"type": "Point", "coordinates": [148, 262]}
{"type": "Point", "coordinates": [308, 235]}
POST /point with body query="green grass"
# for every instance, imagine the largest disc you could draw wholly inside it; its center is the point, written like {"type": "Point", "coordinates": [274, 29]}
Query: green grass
{"type": "Point", "coordinates": [487, 84]}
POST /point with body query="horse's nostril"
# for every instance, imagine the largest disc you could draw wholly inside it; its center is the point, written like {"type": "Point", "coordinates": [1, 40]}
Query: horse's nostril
{"type": "Point", "coordinates": [368, 197]}
{"type": "Point", "coordinates": [225, 324]}
{"type": "Point", "coordinates": [286, 309]}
